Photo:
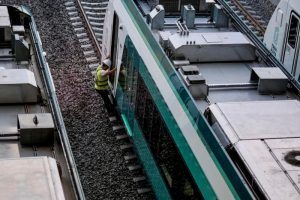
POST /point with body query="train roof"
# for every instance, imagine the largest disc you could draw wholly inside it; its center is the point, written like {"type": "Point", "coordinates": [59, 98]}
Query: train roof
{"type": "Point", "coordinates": [33, 162]}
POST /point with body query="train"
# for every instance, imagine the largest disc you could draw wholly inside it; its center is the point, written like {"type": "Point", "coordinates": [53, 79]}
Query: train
{"type": "Point", "coordinates": [36, 160]}
{"type": "Point", "coordinates": [209, 116]}
{"type": "Point", "coordinates": [282, 36]}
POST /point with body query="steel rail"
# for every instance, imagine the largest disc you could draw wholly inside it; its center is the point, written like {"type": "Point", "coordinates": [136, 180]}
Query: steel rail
{"type": "Point", "coordinates": [248, 16]}
{"type": "Point", "coordinates": [89, 29]}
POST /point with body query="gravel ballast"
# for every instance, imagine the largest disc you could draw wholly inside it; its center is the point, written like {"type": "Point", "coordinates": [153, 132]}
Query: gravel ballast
{"type": "Point", "coordinates": [264, 8]}
{"type": "Point", "coordinates": [98, 156]}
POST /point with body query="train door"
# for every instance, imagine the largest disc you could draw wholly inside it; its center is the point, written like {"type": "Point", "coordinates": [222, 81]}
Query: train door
{"type": "Point", "coordinates": [1, 35]}
{"type": "Point", "coordinates": [119, 35]}
{"type": "Point", "coordinates": [292, 45]}
{"type": "Point", "coordinates": [114, 48]}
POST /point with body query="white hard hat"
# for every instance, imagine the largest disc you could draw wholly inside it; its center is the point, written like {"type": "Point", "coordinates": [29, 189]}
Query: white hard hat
{"type": "Point", "coordinates": [107, 62]}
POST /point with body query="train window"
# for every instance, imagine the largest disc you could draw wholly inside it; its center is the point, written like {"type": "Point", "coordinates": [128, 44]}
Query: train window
{"type": "Point", "coordinates": [293, 32]}
{"type": "Point", "coordinates": [123, 71]}
{"type": "Point", "coordinates": [166, 154]}
{"type": "Point", "coordinates": [138, 104]}
{"type": "Point", "coordinates": [1, 35]}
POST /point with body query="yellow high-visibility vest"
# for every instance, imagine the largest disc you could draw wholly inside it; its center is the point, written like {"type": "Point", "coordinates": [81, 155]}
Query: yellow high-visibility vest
{"type": "Point", "coordinates": [101, 82]}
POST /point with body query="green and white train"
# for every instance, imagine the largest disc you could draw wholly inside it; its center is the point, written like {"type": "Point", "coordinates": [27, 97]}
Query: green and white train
{"type": "Point", "coordinates": [208, 116]}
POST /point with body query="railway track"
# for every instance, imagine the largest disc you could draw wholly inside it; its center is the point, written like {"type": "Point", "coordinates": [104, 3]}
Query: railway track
{"type": "Point", "coordinates": [87, 20]}
{"type": "Point", "coordinates": [249, 16]}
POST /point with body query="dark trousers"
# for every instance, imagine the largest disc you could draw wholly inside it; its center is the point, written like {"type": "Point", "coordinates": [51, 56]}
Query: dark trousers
{"type": "Point", "coordinates": [107, 104]}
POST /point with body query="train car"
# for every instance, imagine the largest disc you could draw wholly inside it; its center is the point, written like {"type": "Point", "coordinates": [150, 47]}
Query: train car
{"type": "Point", "coordinates": [208, 116]}
{"type": "Point", "coordinates": [282, 36]}
{"type": "Point", "coordinates": [36, 161]}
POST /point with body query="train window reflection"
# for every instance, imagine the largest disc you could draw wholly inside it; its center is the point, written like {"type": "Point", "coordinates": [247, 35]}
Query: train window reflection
{"type": "Point", "coordinates": [123, 70]}
{"type": "Point", "coordinates": [293, 32]}
{"type": "Point", "coordinates": [139, 103]}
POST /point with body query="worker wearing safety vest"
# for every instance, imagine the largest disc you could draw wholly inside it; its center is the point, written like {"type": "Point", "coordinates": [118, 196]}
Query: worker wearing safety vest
{"type": "Point", "coordinates": [101, 82]}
